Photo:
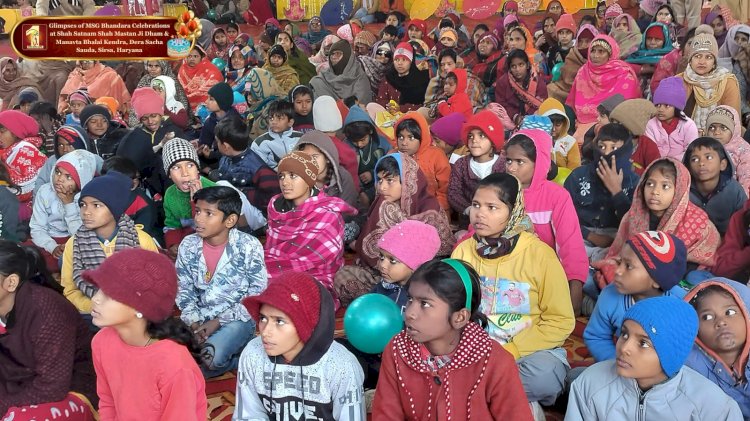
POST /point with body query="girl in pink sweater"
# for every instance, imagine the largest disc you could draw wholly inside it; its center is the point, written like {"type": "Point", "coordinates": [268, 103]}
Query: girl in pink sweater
{"type": "Point", "coordinates": [145, 359]}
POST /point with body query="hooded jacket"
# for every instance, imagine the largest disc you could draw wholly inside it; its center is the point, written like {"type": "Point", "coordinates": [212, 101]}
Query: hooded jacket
{"type": "Point", "coordinates": [107, 145]}
{"type": "Point", "coordinates": [551, 209]}
{"type": "Point", "coordinates": [567, 154]}
{"type": "Point", "coordinates": [728, 197]}
{"type": "Point", "coordinates": [739, 150]}
{"type": "Point", "coordinates": [672, 144]}
{"type": "Point", "coordinates": [50, 217]}
{"type": "Point", "coordinates": [599, 393]}
{"type": "Point", "coordinates": [341, 184]}
{"type": "Point", "coordinates": [707, 362]}
{"type": "Point", "coordinates": [733, 256]}
{"type": "Point", "coordinates": [368, 156]}
{"type": "Point", "coordinates": [431, 159]}
{"type": "Point", "coordinates": [352, 80]}
{"type": "Point", "coordinates": [595, 205]}
{"type": "Point", "coordinates": [323, 381]}
{"type": "Point", "coordinates": [459, 102]}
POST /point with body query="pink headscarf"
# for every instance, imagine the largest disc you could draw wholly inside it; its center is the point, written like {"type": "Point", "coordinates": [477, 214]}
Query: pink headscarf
{"type": "Point", "coordinates": [594, 84]}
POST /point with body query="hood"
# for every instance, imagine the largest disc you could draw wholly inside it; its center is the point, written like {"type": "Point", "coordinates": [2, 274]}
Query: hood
{"type": "Point", "coordinates": [725, 175]}
{"type": "Point", "coordinates": [321, 141]}
{"type": "Point", "coordinates": [587, 27]}
{"type": "Point", "coordinates": [622, 157]}
{"type": "Point", "coordinates": [741, 295]}
{"type": "Point", "coordinates": [551, 106]}
{"type": "Point", "coordinates": [83, 162]}
{"type": "Point", "coordinates": [463, 79]}
{"type": "Point", "coordinates": [170, 90]}
{"type": "Point", "coordinates": [82, 142]}
{"type": "Point", "coordinates": [426, 140]}
{"type": "Point", "coordinates": [357, 113]}
{"type": "Point", "coordinates": [543, 142]}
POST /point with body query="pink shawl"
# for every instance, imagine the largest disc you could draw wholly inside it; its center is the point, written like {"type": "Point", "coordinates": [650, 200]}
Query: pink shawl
{"type": "Point", "coordinates": [100, 81]}
{"type": "Point", "coordinates": [594, 84]}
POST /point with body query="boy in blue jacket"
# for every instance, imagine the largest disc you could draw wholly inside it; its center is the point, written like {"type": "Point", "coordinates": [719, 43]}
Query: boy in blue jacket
{"type": "Point", "coordinates": [362, 134]}
{"type": "Point", "coordinates": [651, 264]}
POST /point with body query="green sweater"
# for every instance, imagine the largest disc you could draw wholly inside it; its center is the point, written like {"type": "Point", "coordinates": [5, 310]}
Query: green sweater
{"type": "Point", "coordinates": [177, 208]}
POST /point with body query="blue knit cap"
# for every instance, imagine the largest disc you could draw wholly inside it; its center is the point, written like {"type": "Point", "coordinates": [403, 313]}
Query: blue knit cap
{"type": "Point", "coordinates": [112, 189]}
{"type": "Point", "coordinates": [541, 122]}
{"type": "Point", "coordinates": [672, 326]}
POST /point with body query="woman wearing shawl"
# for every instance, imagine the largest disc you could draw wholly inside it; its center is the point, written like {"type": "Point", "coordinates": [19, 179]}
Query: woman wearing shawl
{"type": "Point", "coordinates": [602, 76]}
{"type": "Point", "coordinates": [219, 47]}
{"type": "Point", "coordinates": [204, 41]}
{"type": "Point", "coordinates": [316, 32]}
{"type": "Point", "coordinates": [154, 69]}
{"type": "Point", "coordinates": [197, 75]}
{"type": "Point", "coordinates": [345, 76]}
{"type": "Point", "coordinates": [707, 84]}
{"type": "Point", "coordinates": [296, 58]}
{"type": "Point", "coordinates": [734, 55]}
{"type": "Point", "coordinates": [12, 83]}
{"type": "Point", "coordinates": [241, 60]}
{"type": "Point", "coordinates": [292, 29]}
{"type": "Point", "coordinates": [549, 34]}
{"type": "Point", "coordinates": [99, 80]}
{"type": "Point", "coordinates": [320, 60]}
{"type": "Point", "coordinates": [520, 90]}
{"type": "Point", "coordinates": [626, 33]}
{"type": "Point", "coordinates": [260, 90]}
{"type": "Point", "coordinates": [404, 82]}
{"type": "Point", "coordinates": [489, 57]}
{"type": "Point", "coordinates": [278, 65]}
{"type": "Point", "coordinates": [649, 54]}
{"type": "Point", "coordinates": [716, 21]}
{"type": "Point", "coordinates": [377, 63]}
{"type": "Point", "coordinates": [165, 86]}
{"type": "Point", "coordinates": [415, 203]}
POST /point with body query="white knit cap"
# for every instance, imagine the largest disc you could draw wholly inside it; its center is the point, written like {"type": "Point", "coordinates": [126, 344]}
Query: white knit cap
{"type": "Point", "coordinates": [326, 115]}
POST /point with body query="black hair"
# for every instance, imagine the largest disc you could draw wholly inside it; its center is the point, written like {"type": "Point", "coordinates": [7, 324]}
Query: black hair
{"type": "Point", "coordinates": [447, 284]}
{"type": "Point", "coordinates": [708, 291]}
{"type": "Point", "coordinates": [557, 119]}
{"type": "Point", "coordinates": [329, 165]}
{"type": "Point", "coordinates": [452, 76]}
{"type": "Point", "coordinates": [587, 19]}
{"type": "Point", "coordinates": [233, 131]}
{"type": "Point", "coordinates": [389, 167]}
{"type": "Point", "coordinates": [480, 26]}
{"type": "Point", "coordinates": [525, 143]}
{"type": "Point", "coordinates": [614, 132]}
{"type": "Point", "coordinates": [665, 166]}
{"type": "Point", "coordinates": [350, 101]}
{"type": "Point", "coordinates": [225, 198]}
{"type": "Point", "coordinates": [687, 37]}
{"type": "Point", "coordinates": [300, 90]}
{"type": "Point", "coordinates": [448, 52]}
{"type": "Point", "coordinates": [176, 330]}
{"type": "Point", "coordinates": [233, 26]}
{"type": "Point", "coordinates": [281, 107]}
{"type": "Point", "coordinates": [399, 16]}
{"type": "Point", "coordinates": [505, 185]}
{"type": "Point", "coordinates": [668, 7]}
{"type": "Point", "coordinates": [121, 164]}
{"type": "Point", "coordinates": [446, 22]}
{"type": "Point", "coordinates": [390, 30]}
{"type": "Point", "coordinates": [27, 263]}
{"type": "Point", "coordinates": [411, 126]}
{"type": "Point", "coordinates": [707, 143]}
{"type": "Point", "coordinates": [517, 53]}
{"type": "Point", "coordinates": [358, 129]}
{"type": "Point", "coordinates": [44, 108]}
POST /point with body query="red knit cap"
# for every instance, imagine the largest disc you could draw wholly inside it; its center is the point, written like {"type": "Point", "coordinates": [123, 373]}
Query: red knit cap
{"type": "Point", "coordinates": [18, 123]}
{"type": "Point", "coordinates": [566, 22]}
{"type": "Point", "coordinates": [146, 101]}
{"type": "Point", "coordinates": [294, 293]}
{"type": "Point", "coordinates": [142, 279]}
{"type": "Point", "coordinates": [655, 31]}
{"type": "Point", "coordinates": [490, 124]}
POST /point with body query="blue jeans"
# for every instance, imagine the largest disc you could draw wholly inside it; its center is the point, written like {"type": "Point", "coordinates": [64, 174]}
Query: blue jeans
{"type": "Point", "coordinates": [225, 347]}
{"type": "Point", "coordinates": [362, 15]}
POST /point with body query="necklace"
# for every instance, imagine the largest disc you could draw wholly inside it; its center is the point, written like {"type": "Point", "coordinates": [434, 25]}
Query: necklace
{"type": "Point", "coordinates": [149, 342]}
{"type": "Point", "coordinates": [369, 154]}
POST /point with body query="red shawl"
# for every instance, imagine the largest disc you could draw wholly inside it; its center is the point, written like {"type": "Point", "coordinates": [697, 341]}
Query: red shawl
{"type": "Point", "coordinates": [683, 219]}
{"type": "Point", "coordinates": [100, 81]}
{"type": "Point", "coordinates": [198, 80]}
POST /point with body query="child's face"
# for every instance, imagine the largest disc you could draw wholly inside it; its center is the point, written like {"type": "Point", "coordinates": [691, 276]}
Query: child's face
{"type": "Point", "coordinates": [636, 356]}
{"type": "Point", "coordinates": [654, 43]}
{"type": "Point", "coordinates": [721, 327]}
{"type": "Point", "coordinates": [238, 60]}
{"type": "Point", "coordinates": [293, 187]}
{"type": "Point", "coordinates": [64, 148]}
{"type": "Point", "coordinates": [391, 20]}
{"type": "Point", "coordinates": [389, 186]}
{"type": "Point", "coordinates": [232, 33]}
{"type": "Point", "coordinates": [705, 164]}
{"type": "Point", "coordinates": [212, 105]}
{"type": "Point", "coordinates": [25, 107]}
{"type": "Point", "coordinates": [152, 122]}
{"type": "Point", "coordinates": [741, 39]}
{"type": "Point", "coordinates": [427, 317]}
{"type": "Point", "coordinates": [220, 39]}
{"type": "Point", "coordinates": [602, 119]}
{"type": "Point", "coordinates": [477, 34]}
{"type": "Point", "coordinates": [278, 333]}
{"type": "Point", "coordinates": [415, 33]}
{"type": "Point", "coordinates": [488, 214]}
{"type": "Point", "coordinates": [518, 69]}
{"type": "Point", "coordinates": [664, 16]}
{"type": "Point", "coordinates": [63, 181]}
{"type": "Point", "coordinates": [319, 157]}
{"type": "Point", "coordinates": [607, 146]}
{"type": "Point", "coordinates": [557, 128]}
{"type": "Point", "coordinates": [276, 60]}
{"type": "Point", "coordinates": [97, 126]}
{"type": "Point", "coordinates": [76, 106]}
{"type": "Point", "coordinates": [479, 144]}
{"type": "Point", "coordinates": [96, 215]}
{"type": "Point", "coordinates": [209, 220]}
{"type": "Point", "coordinates": [565, 37]}
{"type": "Point", "coordinates": [622, 25]}
{"type": "Point", "coordinates": [447, 65]}
{"type": "Point", "coordinates": [664, 112]}
{"type": "Point", "coordinates": [106, 311]}
{"type": "Point", "coordinates": [631, 277]}
{"type": "Point", "coordinates": [449, 87]}
{"type": "Point", "coordinates": [280, 123]}
{"type": "Point", "coordinates": [393, 270]}
{"type": "Point", "coordinates": [184, 174]}
{"type": "Point", "coordinates": [609, 21]}
{"type": "Point", "coordinates": [401, 65]}
{"type": "Point", "coordinates": [7, 139]}
{"type": "Point", "coordinates": [407, 143]}
{"type": "Point", "coordinates": [303, 104]}
{"type": "Point", "coordinates": [485, 47]}
{"type": "Point", "coordinates": [658, 192]}
{"type": "Point", "coordinates": [448, 149]}
{"type": "Point", "coordinates": [387, 37]}
{"type": "Point", "coordinates": [519, 165]}
{"type": "Point", "coordinates": [720, 132]}
{"type": "Point", "coordinates": [718, 25]}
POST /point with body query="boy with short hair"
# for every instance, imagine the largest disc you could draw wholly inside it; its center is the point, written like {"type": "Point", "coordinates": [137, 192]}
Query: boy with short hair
{"type": "Point", "coordinates": [281, 138]}
{"type": "Point", "coordinates": [105, 230]}
{"type": "Point", "coordinates": [294, 365]}
{"type": "Point", "coordinates": [720, 352]}
{"type": "Point", "coordinates": [650, 264]}
{"type": "Point", "coordinates": [389, 34]}
{"type": "Point", "coordinates": [216, 268]}
{"type": "Point", "coordinates": [647, 380]}
{"type": "Point", "coordinates": [241, 166]}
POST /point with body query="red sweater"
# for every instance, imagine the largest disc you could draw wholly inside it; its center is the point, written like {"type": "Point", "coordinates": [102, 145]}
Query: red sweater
{"type": "Point", "coordinates": [645, 153]}
{"type": "Point", "coordinates": [156, 382]}
{"type": "Point", "coordinates": [733, 256]}
{"type": "Point", "coordinates": [481, 382]}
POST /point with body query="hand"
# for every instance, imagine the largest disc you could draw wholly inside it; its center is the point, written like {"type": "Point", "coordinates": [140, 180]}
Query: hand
{"type": "Point", "coordinates": [66, 196]}
{"type": "Point", "coordinates": [610, 176]}
{"type": "Point", "coordinates": [365, 177]}
{"type": "Point", "coordinates": [167, 137]}
{"type": "Point", "coordinates": [204, 331]}
{"type": "Point", "coordinates": [205, 151]}
{"type": "Point", "coordinates": [58, 251]}
{"type": "Point", "coordinates": [600, 240]}
{"type": "Point", "coordinates": [172, 251]}
{"type": "Point", "coordinates": [194, 187]}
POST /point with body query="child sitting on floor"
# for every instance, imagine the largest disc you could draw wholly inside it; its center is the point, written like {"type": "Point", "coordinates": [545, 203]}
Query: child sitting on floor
{"type": "Point", "coordinates": [281, 138]}
{"type": "Point", "coordinates": [446, 135]}
{"type": "Point", "coordinates": [671, 129]}
{"type": "Point", "coordinates": [566, 153]}
{"type": "Point", "coordinates": [454, 91]}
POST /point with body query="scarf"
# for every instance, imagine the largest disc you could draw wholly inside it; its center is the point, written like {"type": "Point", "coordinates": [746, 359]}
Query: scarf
{"type": "Point", "coordinates": [215, 50]}
{"type": "Point", "coordinates": [627, 40]}
{"type": "Point", "coordinates": [9, 89]}
{"type": "Point", "coordinates": [647, 56]}
{"type": "Point", "coordinates": [415, 204]}
{"type": "Point", "coordinates": [170, 91]}
{"type": "Point", "coordinates": [518, 222]}
{"type": "Point", "coordinates": [236, 78]}
{"type": "Point", "coordinates": [320, 60]}
{"type": "Point", "coordinates": [573, 62]}
{"type": "Point", "coordinates": [707, 90]}
{"type": "Point", "coordinates": [179, 96]}
{"type": "Point", "coordinates": [527, 95]}
{"type": "Point", "coordinates": [88, 253]}
{"type": "Point", "coordinates": [412, 86]}
{"type": "Point", "coordinates": [315, 37]}
{"type": "Point", "coordinates": [198, 80]}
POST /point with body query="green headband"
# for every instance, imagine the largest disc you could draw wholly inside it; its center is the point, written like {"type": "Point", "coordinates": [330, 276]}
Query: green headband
{"type": "Point", "coordinates": [465, 278]}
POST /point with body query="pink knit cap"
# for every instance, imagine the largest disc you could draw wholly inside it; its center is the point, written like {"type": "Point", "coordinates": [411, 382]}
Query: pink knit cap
{"type": "Point", "coordinates": [411, 242]}
{"type": "Point", "coordinates": [19, 123]}
{"type": "Point", "coordinates": [147, 101]}
{"type": "Point", "coordinates": [613, 11]}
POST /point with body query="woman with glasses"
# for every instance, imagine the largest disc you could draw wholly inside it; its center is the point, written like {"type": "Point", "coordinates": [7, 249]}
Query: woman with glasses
{"type": "Point", "coordinates": [154, 69]}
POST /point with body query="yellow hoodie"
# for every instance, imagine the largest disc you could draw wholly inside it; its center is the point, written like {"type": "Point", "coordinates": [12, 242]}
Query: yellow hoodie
{"type": "Point", "coordinates": [525, 295]}
{"type": "Point", "coordinates": [567, 154]}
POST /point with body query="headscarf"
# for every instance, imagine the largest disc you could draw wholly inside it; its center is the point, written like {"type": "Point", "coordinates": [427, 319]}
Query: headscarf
{"type": "Point", "coordinates": [518, 222]}
{"type": "Point", "coordinates": [207, 34]}
{"type": "Point", "coordinates": [594, 84]}
{"type": "Point", "coordinates": [316, 37]}
{"type": "Point", "coordinates": [627, 41]}
{"type": "Point", "coordinates": [198, 80]}
{"type": "Point", "coordinates": [509, 6]}
{"type": "Point", "coordinates": [709, 18]}
{"type": "Point", "coordinates": [9, 90]}
{"type": "Point", "coordinates": [344, 79]}
{"type": "Point", "coordinates": [215, 50]}
{"type": "Point", "coordinates": [415, 204]}
{"type": "Point", "coordinates": [260, 90]}
{"type": "Point", "coordinates": [170, 91]}
{"type": "Point", "coordinates": [320, 60]}
{"type": "Point", "coordinates": [285, 75]}
{"type": "Point", "coordinates": [166, 71]}
{"type": "Point", "coordinates": [730, 48]}
{"type": "Point", "coordinates": [235, 78]}
{"type": "Point", "coordinates": [646, 56]}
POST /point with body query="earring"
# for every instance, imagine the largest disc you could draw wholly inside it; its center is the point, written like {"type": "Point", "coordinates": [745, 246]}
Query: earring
{"type": "Point", "coordinates": [139, 315]}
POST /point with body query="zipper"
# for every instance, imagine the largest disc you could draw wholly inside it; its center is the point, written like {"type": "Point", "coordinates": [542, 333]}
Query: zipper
{"type": "Point", "coordinates": [641, 406]}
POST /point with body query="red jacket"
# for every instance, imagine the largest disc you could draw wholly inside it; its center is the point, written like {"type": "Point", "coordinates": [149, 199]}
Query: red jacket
{"type": "Point", "coordinates": [481, 382]}
{"type": "Point", "coordinates": [459, 102]}
{"type": "Point", "coordinates": [733, 256]}
{"type": "Point", "coordinates": [645, 153]}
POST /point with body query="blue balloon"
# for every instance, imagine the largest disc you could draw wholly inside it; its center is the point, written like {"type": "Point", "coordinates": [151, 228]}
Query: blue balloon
{"type": "Point", "coordinates": [219, 63]}
{"type": "Point", "coordinates": [371, 321]}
